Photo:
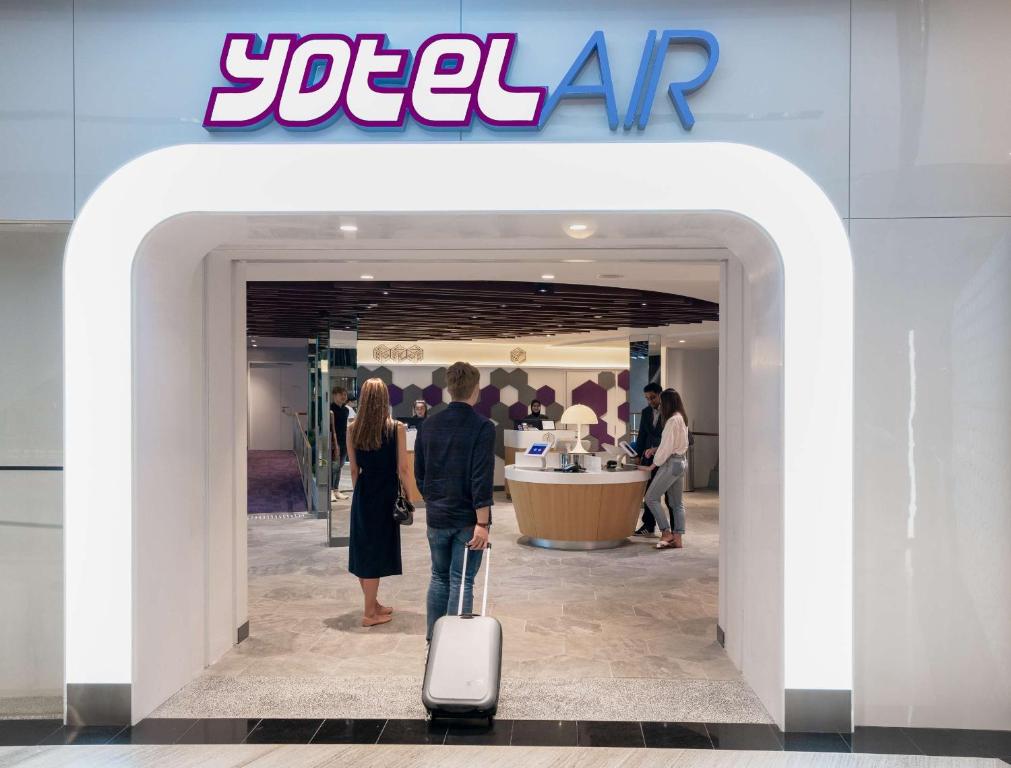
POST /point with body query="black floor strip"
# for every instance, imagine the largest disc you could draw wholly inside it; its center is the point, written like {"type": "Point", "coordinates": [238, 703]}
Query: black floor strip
{"type": "Point", "coordinates": [941, 742]}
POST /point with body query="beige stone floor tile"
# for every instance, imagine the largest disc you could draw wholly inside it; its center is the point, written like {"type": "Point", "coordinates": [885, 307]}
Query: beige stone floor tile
{"type": "Point", "coordinates": [561, 665]}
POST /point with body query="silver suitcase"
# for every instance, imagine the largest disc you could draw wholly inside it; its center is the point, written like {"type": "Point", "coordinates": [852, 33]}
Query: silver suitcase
{"type": "Point", "coordinates": [464, 663]}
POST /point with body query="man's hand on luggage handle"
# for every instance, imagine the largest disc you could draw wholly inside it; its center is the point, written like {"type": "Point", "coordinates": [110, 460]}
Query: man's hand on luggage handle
{"type": "Point", "coordinates": [480, 539]}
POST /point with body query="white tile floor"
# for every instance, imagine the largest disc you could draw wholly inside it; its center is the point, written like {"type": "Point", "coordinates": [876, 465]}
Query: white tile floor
{"type": "Point", "coordinates": [587, 635]}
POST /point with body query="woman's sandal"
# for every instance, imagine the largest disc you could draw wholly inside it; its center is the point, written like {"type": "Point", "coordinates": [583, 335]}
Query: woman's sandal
{"type": "Point", "coordinates": [666, 544]}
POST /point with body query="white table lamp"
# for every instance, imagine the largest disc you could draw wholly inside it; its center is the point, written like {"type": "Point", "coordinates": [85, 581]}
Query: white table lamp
{"type": "Point", "coordinates": [580, 415]}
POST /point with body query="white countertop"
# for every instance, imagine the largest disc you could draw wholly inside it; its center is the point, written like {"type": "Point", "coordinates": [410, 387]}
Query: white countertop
{"type": "Point", "coordinates": [529, 475]}
{"type": "Point", "coordinates": [524, 438]}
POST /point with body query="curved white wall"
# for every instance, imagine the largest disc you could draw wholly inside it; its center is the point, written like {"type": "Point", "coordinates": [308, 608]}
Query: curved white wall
{"type": "Point", "coordinates": [791, 211]}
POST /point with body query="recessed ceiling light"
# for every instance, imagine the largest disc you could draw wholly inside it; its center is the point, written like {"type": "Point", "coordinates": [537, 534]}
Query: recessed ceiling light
{"type": "Point", "coordinates": [368, 277]}
{"type": "Point", "coordinates": [386, 293]}
{"type": "Point", "coordinates": [547, 277]}
{"type": "Point", "coordinates": [349, 228]}
{"type": "Point", "coordinates": [644, 303]}
{"type": "Point", "coordinates": [578, 261]}
{"type": "Point", "coordinates": [597, 317]}
{"type": "Point", "coordinates": [578, 227]}
{"type": "Point", "coordinates": [681, 341]}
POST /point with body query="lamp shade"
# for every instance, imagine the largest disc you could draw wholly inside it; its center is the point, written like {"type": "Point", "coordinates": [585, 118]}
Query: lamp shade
{"type": "Point", "coordinates": [578, 414]}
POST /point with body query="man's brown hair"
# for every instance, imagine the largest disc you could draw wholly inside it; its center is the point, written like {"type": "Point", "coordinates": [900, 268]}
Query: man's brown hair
{"type": "Point", "coordinates": [462, 379]}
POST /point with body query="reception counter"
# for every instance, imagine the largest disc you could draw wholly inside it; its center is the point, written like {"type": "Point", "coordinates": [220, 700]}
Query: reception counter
{"type": "Point", "coordinates": [518, 440]}
{"type": "Point", "coordinates": [578, 510]}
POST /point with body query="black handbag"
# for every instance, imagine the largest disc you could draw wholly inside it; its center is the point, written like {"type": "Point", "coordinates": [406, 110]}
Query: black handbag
{"type": "Point", "coordinates": [403, 509]}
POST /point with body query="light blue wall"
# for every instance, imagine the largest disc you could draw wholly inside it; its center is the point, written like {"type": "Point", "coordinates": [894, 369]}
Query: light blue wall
{"type": "Point", "coordinates": [142, 72]}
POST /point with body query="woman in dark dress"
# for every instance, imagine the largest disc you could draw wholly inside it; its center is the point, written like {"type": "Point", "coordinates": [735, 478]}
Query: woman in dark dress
{"type": "Point", "coordinates": [377, 449]}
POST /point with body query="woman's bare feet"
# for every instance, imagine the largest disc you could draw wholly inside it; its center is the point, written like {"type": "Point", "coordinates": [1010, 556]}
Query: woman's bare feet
{"type": "Point", "coordinates": [379, 618]}
{"type": "Point", "coordinates": [383, 610]}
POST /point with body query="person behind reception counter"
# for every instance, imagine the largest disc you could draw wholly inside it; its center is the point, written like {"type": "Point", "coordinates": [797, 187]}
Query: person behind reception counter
{"type": "Point", "coordinates": [420, 414]}
{"type": "Point", "coordinates": [535, 418]}
{"type": "Point", "coordinates": [669, 464]}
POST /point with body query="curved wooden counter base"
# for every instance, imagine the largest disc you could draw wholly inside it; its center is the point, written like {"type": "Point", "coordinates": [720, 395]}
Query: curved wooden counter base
{"type": "Point", "coordinates": [577, 516]}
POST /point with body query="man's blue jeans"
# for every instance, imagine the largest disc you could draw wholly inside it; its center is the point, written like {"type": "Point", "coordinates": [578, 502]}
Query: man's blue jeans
{"type": "Point", "coordinates": [447, 546]}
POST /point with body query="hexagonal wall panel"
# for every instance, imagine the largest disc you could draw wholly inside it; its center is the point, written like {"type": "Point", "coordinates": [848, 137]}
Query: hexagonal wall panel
{"type": "Point", "coordinates": [382, 372]}
{"type": "Point", "coordinates": [606, 379]}
{"type": "Point", "coordinates": [499, 378]}
{"type": "Point", "coordinates": [518, 411]}
{"type": "Point", "coordinates": [439, 377]}
{"type": "Point", "coordinates": [396, 395]}
{"type": "Point", "coordinates": [554, 411]}
{"type": "Point", "coordinates": [599, 431]}
{"type": "Point", "coordinates": [500, 413]}
{"type": "Point", "coordinates": [546, 395]}
{"type": "Point", "coordinates": [432, 394]}
{"type": "Point", "coordinates": [526, 394]}
{"type": "Point", "coordinates": [623, 379]}
{"type": "Point", "coordinates": [489, 396]}
{"type": "Point", "coordinates": [623, 411]}
{"type": "Point", "coordinates": [412, 393]}
{"type": "Point", "coordinates": [518, 377]}
{"type": "Point", "coordinates": [437, 408]}
{"type": "Point", "coordinates": [591, 394]}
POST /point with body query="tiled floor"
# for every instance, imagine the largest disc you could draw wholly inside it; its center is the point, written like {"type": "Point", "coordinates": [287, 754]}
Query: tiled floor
{"type": "Point", "coordinates": [615, 634]}
{"type": "Point", "coordinates": [236, 742]}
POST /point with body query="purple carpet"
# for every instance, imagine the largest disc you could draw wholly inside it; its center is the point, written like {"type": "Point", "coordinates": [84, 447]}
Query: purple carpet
{"type": "Point", "coordinates": [274, 482]}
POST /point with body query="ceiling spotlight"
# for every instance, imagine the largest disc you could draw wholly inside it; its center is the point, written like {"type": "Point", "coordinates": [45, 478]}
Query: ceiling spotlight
{"type": "Point", "coordinates": [578, 261]}
{"type": "Point", "coordinates": [386, 293]}
{"type": "Point", "coordinates": [597, 317]}
{"type": "Point", "coordinates": [348, 228]}
{"type": "Point", "coordinates": [368, 277]}
{"type": "Point", "coordinates": [547, 277]}
{"type": "Point", "coordinates": [681, 341]}
{"type": "Point", "coordinates": [580, 230]}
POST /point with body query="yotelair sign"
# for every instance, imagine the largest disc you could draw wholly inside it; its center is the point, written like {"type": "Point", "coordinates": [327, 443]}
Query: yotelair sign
{"type": "Point", "coordinates": [452, 80]}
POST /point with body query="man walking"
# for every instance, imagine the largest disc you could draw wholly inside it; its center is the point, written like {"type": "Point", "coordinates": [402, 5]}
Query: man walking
{"type": "Point", "coordinates": [454, 466]}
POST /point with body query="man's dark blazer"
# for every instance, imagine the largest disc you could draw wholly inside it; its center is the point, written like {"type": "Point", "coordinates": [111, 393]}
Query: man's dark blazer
{"type": "Point", "coordinates": [649, 435]}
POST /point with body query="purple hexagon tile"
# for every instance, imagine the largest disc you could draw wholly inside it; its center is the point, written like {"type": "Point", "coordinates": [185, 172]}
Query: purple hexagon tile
{"type": "Point", "coordinates": [432, 394]}
{"type": "Point", "coordinates": [623, 379]}
{"type": "Point", "coordinates": [623, 410]}
{"type": "Point", "coordinates": [396, 394]}
{"type": "Point", "coordinates": [489, 396]}
{"type": "Point", "coordinates": [592, 394]}
{"type": "Point", "coordinates": [546, 395]}
{"type": "Point", "coordinates": [599, 431]}
{"type": "Point", "coordinates": [518, 411]}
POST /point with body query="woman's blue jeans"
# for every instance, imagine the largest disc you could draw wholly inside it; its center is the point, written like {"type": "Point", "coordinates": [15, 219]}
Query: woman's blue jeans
{"type": "Point", "coordinates": [447, 546]}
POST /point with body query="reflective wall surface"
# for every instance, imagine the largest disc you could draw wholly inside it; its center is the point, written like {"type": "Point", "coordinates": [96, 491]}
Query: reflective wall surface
{"type": "Point", "coordinates": [899, 109]}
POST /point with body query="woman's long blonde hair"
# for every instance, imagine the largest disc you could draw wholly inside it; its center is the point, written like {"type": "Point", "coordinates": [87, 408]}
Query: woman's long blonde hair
{"type": "Point", "coordinates": [373, 420]}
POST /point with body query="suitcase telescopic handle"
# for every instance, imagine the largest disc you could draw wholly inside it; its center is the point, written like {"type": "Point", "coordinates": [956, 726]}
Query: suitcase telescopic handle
{"type": "Point", "coordinates": [463, 581]}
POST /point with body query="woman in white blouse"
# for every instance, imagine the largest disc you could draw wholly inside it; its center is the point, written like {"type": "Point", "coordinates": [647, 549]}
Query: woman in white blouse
{"type": "Point", "coordinates": [669, 462]}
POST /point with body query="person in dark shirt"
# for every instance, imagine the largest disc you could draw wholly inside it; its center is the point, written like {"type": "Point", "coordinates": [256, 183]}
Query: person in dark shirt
{"type": "Point", "coordinates": [419, 415]}
{"type": "Point", "coordinates": [454, 466]}
{"type": "Point", "coordinates": [535, 419]}
{"type": "Point", "coordinates": [338, 440]}
{"type": "Point", "coordinates": [647, 440]}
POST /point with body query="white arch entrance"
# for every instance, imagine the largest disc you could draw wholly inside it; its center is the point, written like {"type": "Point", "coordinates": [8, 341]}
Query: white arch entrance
{"type": "Point", "coordinates": [795, 634]}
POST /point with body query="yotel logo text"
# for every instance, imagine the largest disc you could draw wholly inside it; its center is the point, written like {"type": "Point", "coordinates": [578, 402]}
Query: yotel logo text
{"type": "Point", "coordinates": [308, 82]}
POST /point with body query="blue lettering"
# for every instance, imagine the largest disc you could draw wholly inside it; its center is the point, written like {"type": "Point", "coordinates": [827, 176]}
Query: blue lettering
{"type": "Point", "coordinates": [568, 89]}
{"type": "Point", "coordinates": [679, 91]}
